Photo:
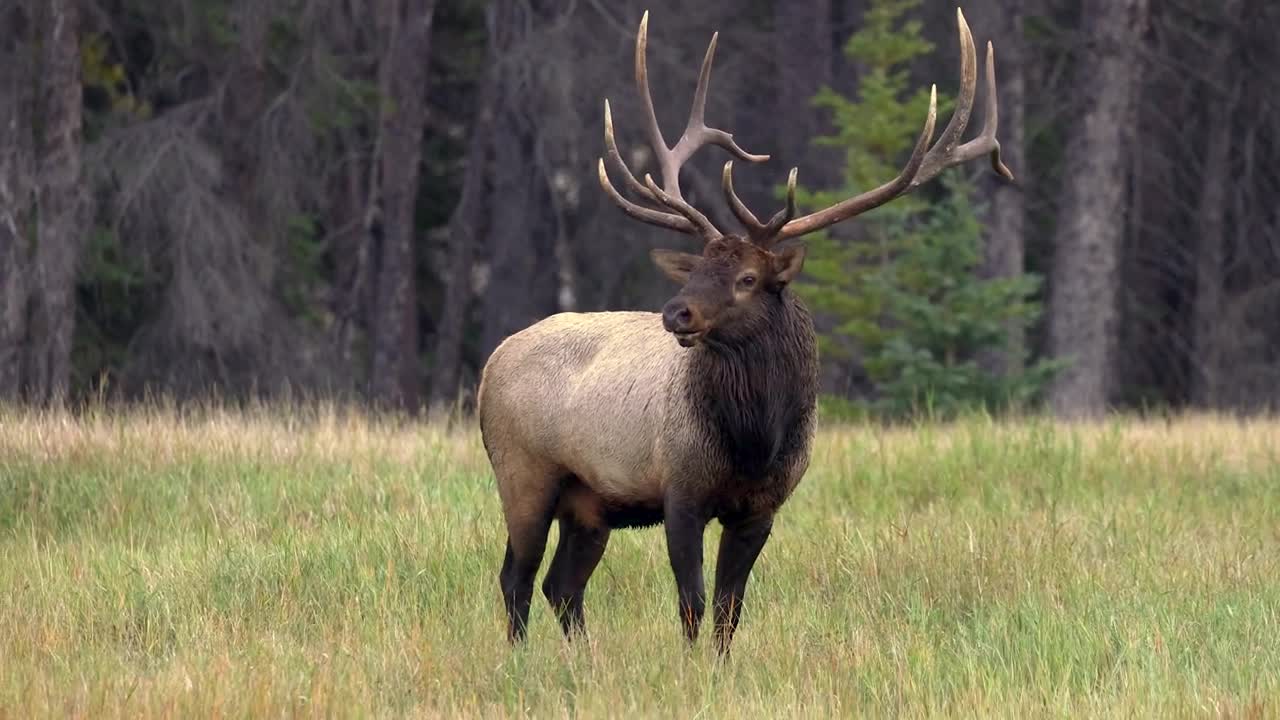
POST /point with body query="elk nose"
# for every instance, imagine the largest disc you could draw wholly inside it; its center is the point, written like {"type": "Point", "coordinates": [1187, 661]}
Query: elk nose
{"type": "Point", "coordinates": [677, 316]}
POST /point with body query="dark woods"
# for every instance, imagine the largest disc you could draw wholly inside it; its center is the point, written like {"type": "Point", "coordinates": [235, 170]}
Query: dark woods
{"type": "Point", "coordinates": [361, 198]}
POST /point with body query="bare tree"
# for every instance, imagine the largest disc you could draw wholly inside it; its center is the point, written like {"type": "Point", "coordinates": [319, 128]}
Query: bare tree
{"type": "Point", "coordinates": [523, 280]}
{"type": "Point", "coordinates": [347, 207]}
{"type": "Point", "coordinates": [61, 203]}
{"type": "Point", "coordinates": [16, 186]}
{"type": "Point", "coordinates": [406, 27]}
{"type": "Point", "coordinates": [1211, 233]}
{"type": "Point", "coordinates": [465, 229]}
{"type": "Point", "coordinates": [1083, 314]}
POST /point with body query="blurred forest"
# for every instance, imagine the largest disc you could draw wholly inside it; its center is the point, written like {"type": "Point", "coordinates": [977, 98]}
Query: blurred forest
{"type": "Point", "coordinates": [361, 198]}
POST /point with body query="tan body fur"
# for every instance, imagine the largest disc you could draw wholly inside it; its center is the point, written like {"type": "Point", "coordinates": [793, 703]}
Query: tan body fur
{"type": "Point", "coordinates": [598, 402]}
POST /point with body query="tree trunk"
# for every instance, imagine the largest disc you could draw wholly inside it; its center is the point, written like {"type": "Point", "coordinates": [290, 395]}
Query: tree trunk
{"type": "Point", "coordinates": [1211, 231]}
{"type": "Point", "coordinates": [347, 208]}
{"type": "Point", "coordinates": [1003, 254]}
{"type": "Point", "coordinates": [1083, 309]}
{"type": "Point", "coordinates": [394, 375]}
{"type": "Point", "coordinates": [512, 252]}
{"type": "Point", "coordinates": [13, 291]}
{"type": "Point", "coordinates": [244, 97]}
{"type": "Point", "coordinates": [1210, 262]}
{"type": "Point", "coordinates": [523, 272]}
{"type": "Point", "coordinates": [464, 232]}
{"type": "Point", "coordinates": [16, 181]}
{"type": "Point", "coordinates": [350, 242]}
{"type": "Point", "coordinates": [847, 17]}
{"type": "Point", "coordinates": [61, 205]}
{"type": "Point", "coordinates": [805, 44]}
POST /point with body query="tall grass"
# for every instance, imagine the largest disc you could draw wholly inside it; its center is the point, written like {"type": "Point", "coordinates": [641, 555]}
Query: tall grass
{"type": "Point", "coordinates": [316, 563]}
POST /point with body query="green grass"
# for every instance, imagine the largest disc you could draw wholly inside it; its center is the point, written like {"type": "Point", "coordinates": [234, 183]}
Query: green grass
{"type": "Point", "coordinates": [264, 564]}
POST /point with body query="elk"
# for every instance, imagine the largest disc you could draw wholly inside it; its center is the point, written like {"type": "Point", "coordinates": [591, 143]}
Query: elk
{"type": "Point", "coordinates": [706, 411]}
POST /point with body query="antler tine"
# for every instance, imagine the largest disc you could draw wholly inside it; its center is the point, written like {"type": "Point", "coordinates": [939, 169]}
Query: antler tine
{"type": "Point", "coordinates": [740, 209]}
{"type": "Point", "coordinates": [769, 234]}
{"type": "Point", "coordinates": [615, 157]}
{"type": "Point", "coordinates": [872, 198]}
{"type": "Point", "coordinates": [704, 225]}
{"type": "Point", "coordinates": [669, 159]}
{"type": "Point", "coordinates": [946, 154]}
{"type": "Point", "coordinates": [937, 159]}
{"type": "Point", "coordinates": [698, 112]}
{"type": "Point", "coordinates": [642, 84]}
{"type": "Point", "coordinates": [987, 141]}
{"type": "Point", "coordinates": [926, 163]}
{"type": "Point", "coordinates": [644, 214]}
{"type": "Point", "coordinates": [696, 133]}
{"type": "Point", "coordinates": [764, 235]}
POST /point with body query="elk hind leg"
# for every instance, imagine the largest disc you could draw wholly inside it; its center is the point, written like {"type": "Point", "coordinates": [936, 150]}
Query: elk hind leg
{"type": "Point", "coordinates": [528, 502]}
{"type": "Point", "coordinates": [577, 555]}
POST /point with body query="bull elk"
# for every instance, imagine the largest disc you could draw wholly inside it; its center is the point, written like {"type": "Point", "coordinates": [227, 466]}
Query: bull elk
{"type": "Point", "coordinates": [610, 420]}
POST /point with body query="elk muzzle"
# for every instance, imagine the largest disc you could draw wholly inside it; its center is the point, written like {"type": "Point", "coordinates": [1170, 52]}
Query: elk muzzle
{"type": "Point", "coordinates": [684, 321]}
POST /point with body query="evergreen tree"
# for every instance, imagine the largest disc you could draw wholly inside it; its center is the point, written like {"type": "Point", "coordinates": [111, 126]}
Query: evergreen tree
{"type": "Point", "coordinates": [903, 298]}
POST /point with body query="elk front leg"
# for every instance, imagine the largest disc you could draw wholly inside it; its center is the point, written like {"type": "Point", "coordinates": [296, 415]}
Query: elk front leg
{"type": "Point", "coordinates": [740, 545]}
{"type": "Point", "coordinates": [684, 526]}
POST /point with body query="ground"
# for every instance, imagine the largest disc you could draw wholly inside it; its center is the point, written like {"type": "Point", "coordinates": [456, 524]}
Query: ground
{"type": "Point", "coordinates": [314, 563]}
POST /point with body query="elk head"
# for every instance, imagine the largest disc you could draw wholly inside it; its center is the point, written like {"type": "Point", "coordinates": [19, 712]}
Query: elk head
{"type": "Point", "coordinates": [728, 290]}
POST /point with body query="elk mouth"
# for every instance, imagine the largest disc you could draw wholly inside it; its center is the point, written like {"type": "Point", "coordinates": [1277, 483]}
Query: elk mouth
{"type": "Point", "coordinates": [688, 338]}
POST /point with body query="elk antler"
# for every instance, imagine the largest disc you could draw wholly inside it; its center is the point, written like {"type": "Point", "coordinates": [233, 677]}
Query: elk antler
{"type": "Point", "coordinates": [686, 218]}
{"type": "Point", "coordinates": [762, 234]}
{"type": "Point", "coordinates": [925, 162]}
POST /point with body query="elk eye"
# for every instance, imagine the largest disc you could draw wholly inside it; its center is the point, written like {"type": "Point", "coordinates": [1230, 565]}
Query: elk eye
{"type": "Point", "coordinates": [747, 281]}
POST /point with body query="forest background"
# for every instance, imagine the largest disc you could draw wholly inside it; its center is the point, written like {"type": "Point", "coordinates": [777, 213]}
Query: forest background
{"type": "Point", "coordinates": [360, 198]}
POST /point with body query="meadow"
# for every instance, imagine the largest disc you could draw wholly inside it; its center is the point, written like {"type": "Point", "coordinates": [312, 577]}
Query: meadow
{"type": "Point", "coordinates": [218, 563]}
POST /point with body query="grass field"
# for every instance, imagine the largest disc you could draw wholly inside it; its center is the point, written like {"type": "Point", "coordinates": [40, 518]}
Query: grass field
{"type": "Point", "coordinates": [313, 564]}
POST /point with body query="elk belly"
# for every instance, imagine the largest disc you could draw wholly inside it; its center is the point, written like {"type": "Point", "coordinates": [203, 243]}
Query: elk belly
{"type": "Point", "coordinates": [582, 504]}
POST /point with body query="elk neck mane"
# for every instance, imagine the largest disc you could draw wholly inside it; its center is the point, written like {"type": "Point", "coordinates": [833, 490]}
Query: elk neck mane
{"type": "Point", "coordinates": [756, 393]}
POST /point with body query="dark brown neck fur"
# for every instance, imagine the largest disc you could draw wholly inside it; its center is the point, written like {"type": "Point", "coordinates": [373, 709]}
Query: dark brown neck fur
{"type": "Point", "coordinates": [756, 391]}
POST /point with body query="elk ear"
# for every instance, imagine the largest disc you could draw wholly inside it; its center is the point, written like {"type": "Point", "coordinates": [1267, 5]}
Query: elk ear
{"type": "Point", "coordinates": [787, 264]}
{"type": "Point", "coordinates": [677, 265]}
